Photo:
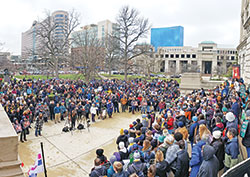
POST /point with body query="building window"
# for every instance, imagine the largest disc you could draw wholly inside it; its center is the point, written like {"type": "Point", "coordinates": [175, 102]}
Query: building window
{"type": "Point", "coordinates": [188, 55]}
{"type": "Point", "coordinates": [222, 57]}
{"type": "Point", "coordinates": [156, 56]}
{"type": "Point", "coordinates": [172, 56]}
{"type": "Point", "coordinates": [193, 56]}
{"type": "Point", "coordinates": [162, 56]}
{"type": "Point", "coordinates": [227, 57]}
{"type": "Point", "coordinates": [166, 56]}
{"type": "Point", "coordinates": [182, 55]}
{"type": "Point", "coordinates": [218, 57]}
{"type": "Point", "coordinates": [59, 15]}
{"type": "Point", "coordinates": [232, 57]}
{"type": "Point", "coordinates": [177, 56]}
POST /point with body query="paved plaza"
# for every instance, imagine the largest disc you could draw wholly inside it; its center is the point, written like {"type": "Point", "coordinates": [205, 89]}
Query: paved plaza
{"type": "Point", "coordinates": [72, 153]}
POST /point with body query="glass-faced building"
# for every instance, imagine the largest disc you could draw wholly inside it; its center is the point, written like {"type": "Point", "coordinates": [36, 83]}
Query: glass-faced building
{"type": "Point", "coordinates": [167, 37]}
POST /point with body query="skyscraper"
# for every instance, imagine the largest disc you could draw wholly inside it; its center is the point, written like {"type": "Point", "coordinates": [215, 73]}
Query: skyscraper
{"type": "Point", "coordinates": [167, 37]}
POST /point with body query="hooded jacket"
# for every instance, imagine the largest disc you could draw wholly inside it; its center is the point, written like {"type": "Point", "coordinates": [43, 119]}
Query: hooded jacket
{"type": "Point", "coordinates": [196, 158]}
{"type": "Point", "coordinates": [210, 164]}
{"type": "Point", "coordinates": [219, 152]}
{"type": "Point", "coordinates": [182, 164]}
{"type": "Point", "coordinates": [162, 168]}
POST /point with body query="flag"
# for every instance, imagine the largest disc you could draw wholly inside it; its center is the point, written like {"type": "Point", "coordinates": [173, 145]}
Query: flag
{"type": "Point", "coordinates": [37, 167]}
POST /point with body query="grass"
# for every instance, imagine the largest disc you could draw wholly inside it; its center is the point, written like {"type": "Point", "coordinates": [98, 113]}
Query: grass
{"type": "Point", "coordinates": [78, 76]}
{"type": "Point", "coordinates": [61, 76]}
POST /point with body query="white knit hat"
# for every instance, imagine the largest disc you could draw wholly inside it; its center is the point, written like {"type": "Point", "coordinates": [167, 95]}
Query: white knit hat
{"type": "Point", "coordinates": [230, 117]}
{"type": "Point", "coordinates": [121, 145]}
{"type": "Point", "coordinates": [217, 134]}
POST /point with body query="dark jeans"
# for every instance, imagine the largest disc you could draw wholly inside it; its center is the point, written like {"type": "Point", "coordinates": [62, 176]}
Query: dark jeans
{"type": "Point", "coordinates": [123, 108]}
{"type": "Point", "coordinates": [38, 132]}
{"type": "Point", "coordinates": [23, 135]}
{"type": "Point", "coordinates": [52, 116]}
{"type": "Point", "coordinates": [116, 108]}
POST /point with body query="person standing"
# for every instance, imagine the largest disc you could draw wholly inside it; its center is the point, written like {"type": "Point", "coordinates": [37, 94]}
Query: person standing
{"type": "Point", "coordinates": [210, 164]}
{"type": "Point", "coordinates": [182, 162]}
{"type": "Point", "coordinates": [51, 110]}
{"type": "Point", "coordinates": [246, 138]}
{"type": "Point", "coordinates": [232, 153]}
{"type": "Point", "coordinates": [23, 133]}
{"type": "Point", "coordinates": [39, 124]}
{"type": "Point", "coordinates": [93, 110]}
{"type": "Point", "coordinates": [57, 113]}
{"type": "Point", "coordinates": [124, 101]}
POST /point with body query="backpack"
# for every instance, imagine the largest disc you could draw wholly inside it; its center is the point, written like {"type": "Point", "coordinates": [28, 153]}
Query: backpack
{"type": "Point", "coordinates": [80, 127]}
{"type": "Point", "coordinates": [140, 171]}
{"type": "Point", "coordinates": [65, 129]}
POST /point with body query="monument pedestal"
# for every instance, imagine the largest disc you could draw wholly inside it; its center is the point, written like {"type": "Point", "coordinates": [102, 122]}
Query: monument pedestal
{"type": "Point", "coordinates": [9, 159]}
{"type": "Point", "coordinates": [190, 82]}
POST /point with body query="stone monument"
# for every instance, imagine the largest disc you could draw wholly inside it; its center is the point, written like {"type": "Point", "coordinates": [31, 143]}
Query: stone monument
{"type": "Point", "coordinates": [9, 159]}
{"type": "Point", "coordinates": [190, 81]}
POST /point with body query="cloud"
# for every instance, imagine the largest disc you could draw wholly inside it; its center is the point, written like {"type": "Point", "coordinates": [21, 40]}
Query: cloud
{"type": "Point", "coordinates": [217, 20]}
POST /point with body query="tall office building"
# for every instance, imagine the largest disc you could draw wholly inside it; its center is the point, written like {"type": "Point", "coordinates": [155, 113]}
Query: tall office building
{"type": "Point", "coordinates": [101, 30]}
{"type": "Point", "coordinates": [244, 46]}
{"type": "Point", "coordinates": [167, 37]}
{"type": "Point", "coordinates": [31, 42]}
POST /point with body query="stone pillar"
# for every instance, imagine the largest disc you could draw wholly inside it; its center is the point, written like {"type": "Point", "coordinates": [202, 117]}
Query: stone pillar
{"type": "Point", "coordinates": [166, 66]}
{"type": "Point", "coordinates": [9, 159]}
{"type": "Point", "coordinates": [178, 66]}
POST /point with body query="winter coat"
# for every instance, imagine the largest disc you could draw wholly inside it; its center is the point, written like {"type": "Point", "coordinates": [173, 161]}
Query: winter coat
{"type": "Point", "coordinates": [219, 152]}
{"type": "Point", "coordinates": [192, 131]}
{"type": "Point", "coordinates": [110, 171]}
{"type": "Point", "coordinates": [98, 171]}
{"type": "Point", "coordinates": [182, 164]}
{"type": "Point", "coordinates": [210, 164]}
{"type": "Point", "coordinates": [122, 138]}
{"type": "Point", "coordinates": [196, 158]}
{"type": "Point", "coordinates": [121, 174]}
{"type": "Point", "coordinates": [171, 155]}
{"type": "Point", "coordinates": [137, 167]}
{"type": "Point", "coordinates": [232, 153]}
{"type": "Point", "coordinates": [57, 110]}
{"type": "Point", "coordinates": [162, 168]}
{"type": "Point", "coordinates": [236, 109]}
{"type": "Point", "coordinates": [246, 139]}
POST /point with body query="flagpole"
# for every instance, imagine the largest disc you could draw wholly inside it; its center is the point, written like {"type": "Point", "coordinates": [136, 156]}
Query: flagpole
{"type": "Point", "coordinates": [44, 166]}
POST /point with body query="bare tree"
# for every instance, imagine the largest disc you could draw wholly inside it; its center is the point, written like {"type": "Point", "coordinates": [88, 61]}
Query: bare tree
{"type": "Point", "coordinates": [54, 49]}
{"type": "Point", "coordinates": [88, 54]}
{"type": "Point", "coordinates": [112, 50]}
{"type": "Point", "coordinates": [131, 28]}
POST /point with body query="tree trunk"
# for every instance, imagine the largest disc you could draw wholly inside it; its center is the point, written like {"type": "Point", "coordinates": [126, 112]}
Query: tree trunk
{"type": "Point", "coordinates": [56, 68]}
{"type": "Point", "coordinates": [125, 70]}
{"type": "Point", "coordinates": [109, 69]}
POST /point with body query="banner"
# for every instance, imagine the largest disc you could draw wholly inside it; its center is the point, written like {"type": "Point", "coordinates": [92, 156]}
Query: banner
{"type": "Point", "coordinates": [236, 71]}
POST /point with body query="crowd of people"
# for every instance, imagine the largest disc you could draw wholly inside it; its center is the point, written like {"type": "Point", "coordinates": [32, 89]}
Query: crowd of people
{"type": "Point", "coordinates": [198, 134]}
{"type": "Point", "coordinates": [30, 103]}
{"type": "Point", "coordinates": [193, 135]}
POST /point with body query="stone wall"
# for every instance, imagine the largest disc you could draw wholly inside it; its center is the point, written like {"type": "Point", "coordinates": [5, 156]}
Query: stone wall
{"type": "Point", "coordinates": [9, 159]}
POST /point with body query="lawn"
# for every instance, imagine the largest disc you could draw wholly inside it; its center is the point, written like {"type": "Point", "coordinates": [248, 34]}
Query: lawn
{"type": "Point", "coordinates": [61, 76]}
{"type": "Point", "coordinates": [78, 76]}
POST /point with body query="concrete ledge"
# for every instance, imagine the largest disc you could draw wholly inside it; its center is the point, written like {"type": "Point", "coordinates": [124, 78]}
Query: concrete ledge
{"type": "Point", "coordinates": [9, 162]}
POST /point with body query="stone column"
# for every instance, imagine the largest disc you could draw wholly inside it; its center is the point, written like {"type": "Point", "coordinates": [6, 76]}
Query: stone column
{"type": "Point", "coordinates": [9, 159]}
{"type": "Point", "coordinates": [178, 66]}
{"type": "Point", "coordinates": [166, 66]}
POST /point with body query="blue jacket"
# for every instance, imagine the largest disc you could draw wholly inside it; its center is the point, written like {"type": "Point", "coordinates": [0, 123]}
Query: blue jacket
{"type": "Point", "coordinates": [232, 148]}
{"type": "Point", "coordinates": [192, 130]}
{"type": "Point", "coordinates": [56, 110]}
{"type": "Point", "coordinates": [236, 109]}
{"type": "Point", "coordinates": [110, 171]}
{"type": "Point", "coordinates": [196, 158]}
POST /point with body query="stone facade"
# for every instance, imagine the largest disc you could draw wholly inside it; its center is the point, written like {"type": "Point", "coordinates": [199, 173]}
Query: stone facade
{"type": "Point", "coordinates": [244, 46]}
{"type": "Point", "coordinates": [207, 58]}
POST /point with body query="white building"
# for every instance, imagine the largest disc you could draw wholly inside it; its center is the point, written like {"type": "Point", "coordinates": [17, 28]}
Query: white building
{"type": "Point", "coordinates": [100, 31]}
{"type": "Point", "coordinates": [31, 42]}
{"type": "Point", "coordinates": [207, 58]}
{"type": "Point", "coordinates": [243, 48]}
